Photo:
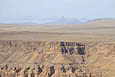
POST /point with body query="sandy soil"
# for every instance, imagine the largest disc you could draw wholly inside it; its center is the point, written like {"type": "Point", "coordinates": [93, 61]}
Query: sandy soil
{"type": "Point", "coordinates": [96, 30]}
{"type": "Point", "coordinates": [99, 35]}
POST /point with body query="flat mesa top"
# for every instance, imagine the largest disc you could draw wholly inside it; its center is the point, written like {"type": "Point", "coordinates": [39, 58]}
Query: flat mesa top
{"type": "Point", "coordinates": [100, 30]}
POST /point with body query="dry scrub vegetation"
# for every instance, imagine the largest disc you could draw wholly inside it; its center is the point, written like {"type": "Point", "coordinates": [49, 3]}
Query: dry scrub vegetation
{"type": "Point", "coordinates": [28, 41]}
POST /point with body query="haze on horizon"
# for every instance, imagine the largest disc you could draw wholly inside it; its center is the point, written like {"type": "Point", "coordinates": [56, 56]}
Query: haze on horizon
{"type": "Point", "coordinates": [89, 9]}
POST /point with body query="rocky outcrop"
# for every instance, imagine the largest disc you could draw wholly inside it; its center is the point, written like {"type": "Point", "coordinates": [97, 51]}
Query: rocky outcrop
{"type": "Point", "coordinates": [101, 55]}
{"type": "Point", "coordinates": [19, 51]}
{"type": "Point", "coordinates": [98, 56]}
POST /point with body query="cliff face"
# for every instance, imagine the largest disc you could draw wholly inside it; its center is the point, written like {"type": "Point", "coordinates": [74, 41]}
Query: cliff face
{"type": "Point", "coordinates": [19, 51]}
{"type": "Point", "coordinates": [24, 52]}
{"type": "Point", "coordinates": [14, 50]}
{"type": "Point", "coordinates": [100, 55]}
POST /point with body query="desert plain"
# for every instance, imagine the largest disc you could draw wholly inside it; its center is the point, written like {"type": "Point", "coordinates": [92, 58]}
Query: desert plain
{"type": "Point", "coordinates": [98, 36]}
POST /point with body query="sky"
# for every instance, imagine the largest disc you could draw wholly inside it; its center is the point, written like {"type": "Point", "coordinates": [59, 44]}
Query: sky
{"type": "Point", "coordinates": [89, 9]}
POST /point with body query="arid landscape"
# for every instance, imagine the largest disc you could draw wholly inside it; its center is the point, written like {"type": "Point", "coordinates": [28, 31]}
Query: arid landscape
{"type": "Point", "coordinates": [27, 46]}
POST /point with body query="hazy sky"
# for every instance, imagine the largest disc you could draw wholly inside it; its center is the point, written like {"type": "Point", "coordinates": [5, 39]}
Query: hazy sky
{"type": "Point", "coordinates": [56, 8]}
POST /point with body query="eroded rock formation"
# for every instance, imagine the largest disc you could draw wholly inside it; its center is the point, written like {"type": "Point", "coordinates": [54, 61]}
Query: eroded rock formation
{"type": "Point", "coordinates": [55, 58]}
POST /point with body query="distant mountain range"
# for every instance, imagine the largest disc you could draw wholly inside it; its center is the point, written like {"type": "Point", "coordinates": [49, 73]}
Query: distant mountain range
{"type": "Point", "coordinates": [35, 20]}
{"type": "Point", "coordinates": [32, 20]}
{"type": "Point", "coordinates": [65, 21]}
